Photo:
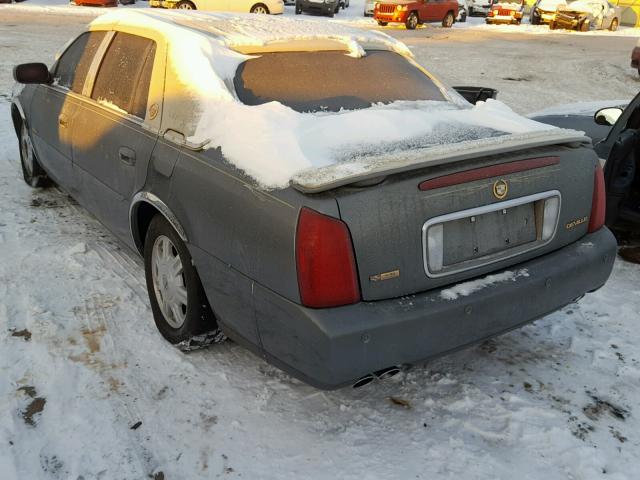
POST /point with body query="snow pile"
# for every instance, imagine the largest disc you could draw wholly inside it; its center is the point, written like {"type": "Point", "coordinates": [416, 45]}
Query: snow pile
{"type": "Point", "coordinates": [467, 288]}
{"type": "Point", "coordinates": [585, 6]}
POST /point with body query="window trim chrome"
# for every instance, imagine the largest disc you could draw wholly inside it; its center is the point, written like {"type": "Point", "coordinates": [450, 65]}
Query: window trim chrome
{"type": "Point", "coordinates": [496, 257]}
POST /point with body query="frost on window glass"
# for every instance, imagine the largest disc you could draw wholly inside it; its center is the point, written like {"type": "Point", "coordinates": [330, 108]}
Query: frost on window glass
{"type": "Point", "coordinates": [73, 66]}
{"type": "Point", "coordinates": [331, 80]}
{"type": "Point", "coordinates": [125, 74]}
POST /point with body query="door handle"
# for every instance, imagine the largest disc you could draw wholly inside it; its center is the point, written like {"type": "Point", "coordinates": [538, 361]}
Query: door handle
{"type": "Point", "coordinates": [63, 121]}
{"type": "Point", "coordinates": [127, 155]}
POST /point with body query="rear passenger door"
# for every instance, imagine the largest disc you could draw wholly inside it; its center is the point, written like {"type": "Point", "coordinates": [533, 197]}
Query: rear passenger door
{"type": "Point", "coordinates": [114, 131]}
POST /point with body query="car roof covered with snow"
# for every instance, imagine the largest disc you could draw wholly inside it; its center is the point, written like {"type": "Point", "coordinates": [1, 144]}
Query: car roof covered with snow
{"type": "Point", "coordinates": [204, 52]}
{"type": "Point", "coordinates": [250, 33]}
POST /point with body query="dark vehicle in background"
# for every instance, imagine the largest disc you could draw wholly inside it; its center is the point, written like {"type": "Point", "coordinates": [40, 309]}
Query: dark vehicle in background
{"type": "Point", "coordinates": [416, 12]}
{"type": "Point", "coordinates": [615, 131]}
{"type": "Point", "coordinates": [323, 7]}
{"type": "Point", "coordinates": [635, 57]}
{"type": "Point", "coordinates": [506, 12]}
{"type": "Point", "coordinates": [333, 278]}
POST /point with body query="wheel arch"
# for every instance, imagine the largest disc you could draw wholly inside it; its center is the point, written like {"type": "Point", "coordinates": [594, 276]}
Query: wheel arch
{"type": "Point", "coordinates": [144, 206]}
{"type": "Point", "coordinates": [17, 116]}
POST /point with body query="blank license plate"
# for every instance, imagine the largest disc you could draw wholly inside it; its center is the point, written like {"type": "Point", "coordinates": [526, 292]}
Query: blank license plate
{"type": "Point", "coordinates": [489, 233]}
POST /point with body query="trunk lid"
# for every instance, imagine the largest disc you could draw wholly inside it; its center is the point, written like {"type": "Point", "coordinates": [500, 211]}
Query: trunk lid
{"type": "Point", "coordinates": [430, 226]}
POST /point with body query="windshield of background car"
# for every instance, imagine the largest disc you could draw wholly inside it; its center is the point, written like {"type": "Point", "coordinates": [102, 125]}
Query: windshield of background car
{"type": "Point", "coordinates": [332, 80]}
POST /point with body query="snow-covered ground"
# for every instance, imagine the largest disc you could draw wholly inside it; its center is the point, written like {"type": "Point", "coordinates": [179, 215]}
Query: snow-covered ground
{"type": "Point", "coordinates": [89, 389]}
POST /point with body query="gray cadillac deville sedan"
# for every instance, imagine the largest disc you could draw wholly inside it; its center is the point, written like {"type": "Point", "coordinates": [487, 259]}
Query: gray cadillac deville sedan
{"type": "Point", "coordinates": [423, 225]}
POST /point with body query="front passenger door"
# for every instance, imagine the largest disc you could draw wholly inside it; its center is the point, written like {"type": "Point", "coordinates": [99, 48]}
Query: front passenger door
{"type": "Point", "coordinates": [113, 137]}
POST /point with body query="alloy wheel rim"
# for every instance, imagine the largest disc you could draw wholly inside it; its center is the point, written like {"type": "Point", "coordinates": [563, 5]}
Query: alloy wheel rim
{"type": "Point", "coordinates": [168, 281]}
{"type": "Point", "coordinates": [26, 150]}
{"type": "Point", "coordinates": [260, 10]}
{"type": "Point", "coordinates": [414, 21]}
{"type": "Point", "coordinates": [185, 6]}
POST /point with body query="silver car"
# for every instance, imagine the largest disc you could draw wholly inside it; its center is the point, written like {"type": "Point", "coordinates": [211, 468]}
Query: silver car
{"type": "Point", "coordinates": [339, 273]}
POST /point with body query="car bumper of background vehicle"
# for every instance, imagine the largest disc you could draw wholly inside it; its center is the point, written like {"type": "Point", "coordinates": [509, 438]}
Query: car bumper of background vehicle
{"type": "Point", "coordinates": [317, 6]}
{"type": "Point", "coordinates": [635, 57]}
{"type": "Point", "coordinates": [330, 348]}
{"type": "Point", "coordinates": [396, 17]}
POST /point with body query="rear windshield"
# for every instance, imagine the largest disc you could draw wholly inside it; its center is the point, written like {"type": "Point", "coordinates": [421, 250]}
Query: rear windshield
{"type": "Point", "coordinates": [331, 80]}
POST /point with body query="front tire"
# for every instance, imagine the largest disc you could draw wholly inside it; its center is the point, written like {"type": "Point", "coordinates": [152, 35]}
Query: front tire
{"type": "Point", "coordinates": [185, 5]}
{"type": "Point", "coordinates": [32, 172]}
{"type": "Point", "coordinates": [180, 307]}
{"type": "Point", "coordinates": [614, 25]}
{"type": "Point", "coordinates": [584, 27]}
{"type": "Point", "coordinates": [383, 24]}
{"type": "Point", "coordinates": [412, 21]}
{"type": "Point", "coordinates": [259, 8]}
{"type": "Point", "coordinates": [447, 21]}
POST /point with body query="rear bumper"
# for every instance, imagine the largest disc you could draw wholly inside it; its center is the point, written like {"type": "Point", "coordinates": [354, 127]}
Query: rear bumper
{"type": "Point", "coordinates": [330, 348]}
{"type": "Point", "coordinates": [317, 7]}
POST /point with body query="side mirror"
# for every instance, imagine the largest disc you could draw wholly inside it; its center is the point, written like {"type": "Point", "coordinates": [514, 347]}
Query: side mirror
{"type": "Point", "coordinates": [607, 116]}
{"type": "Point", "coordinates": [476, 94]}
{"type": "Point", "coordinates": [31, 73]}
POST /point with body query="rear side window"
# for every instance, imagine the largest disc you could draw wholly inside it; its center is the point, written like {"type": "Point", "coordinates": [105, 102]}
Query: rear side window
{"type": "Point", "coordinates": [125, 74]}
{"type": "Point", "coordinates": [73, 66]}
{"type": "Point", "coordinates": [331, 80]}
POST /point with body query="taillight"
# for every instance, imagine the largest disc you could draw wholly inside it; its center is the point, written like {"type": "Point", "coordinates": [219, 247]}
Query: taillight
{"type": "Point", "coordinates": [599, 201]}
{"type": "Point", "coordinates": [327, 274]}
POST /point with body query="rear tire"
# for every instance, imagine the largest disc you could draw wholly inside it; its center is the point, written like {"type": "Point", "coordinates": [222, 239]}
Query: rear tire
{"type": "Point", "coordinates": [412, 21]}
{"type": "Point", "coordinates": [447, 21]}
{"type": "Point", "coordinates": [614, 25]}
{"type": "Point", "coordinates": [585, 26]}
{"type": "Point", "coordinates": [32, 172]}
{"type": "Point", "coordinates": [298, 9]}
{"type": "Point", "coordinates": [552, 25]}
{"type": "Point", "coordinates": [172, 280]}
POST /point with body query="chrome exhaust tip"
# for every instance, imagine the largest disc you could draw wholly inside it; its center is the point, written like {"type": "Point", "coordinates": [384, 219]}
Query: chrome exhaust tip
{"type": "Point", "coordinates": [387, 372]}
{"type": "Point", "coordinates": [362, 381]}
